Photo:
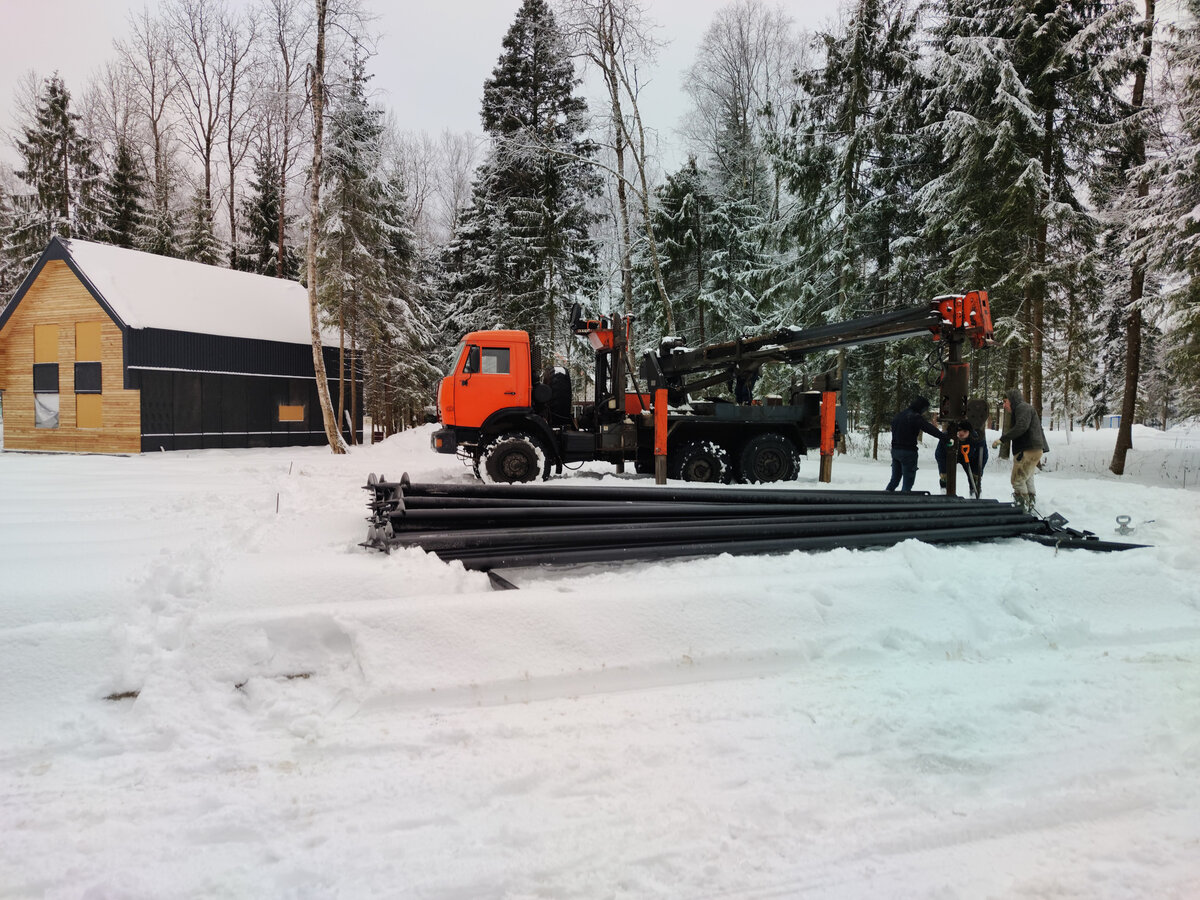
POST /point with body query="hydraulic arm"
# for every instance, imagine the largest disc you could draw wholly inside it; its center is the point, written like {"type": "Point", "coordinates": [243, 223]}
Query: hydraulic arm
{"type": "Point", "coordinates": [951, 318]}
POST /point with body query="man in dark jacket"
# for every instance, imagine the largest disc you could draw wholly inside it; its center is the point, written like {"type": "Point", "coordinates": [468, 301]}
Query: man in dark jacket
{"type": "Point", "coordinates": [1028, 445]}
{"type": "Point", "coordinates": [906, 427]}
{"type": "Point", "coordinates": [972, 456]}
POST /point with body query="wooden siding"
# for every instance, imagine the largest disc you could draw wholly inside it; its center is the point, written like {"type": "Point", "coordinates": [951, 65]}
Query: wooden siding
{"type": "Point", "coordinates": [58, 298]}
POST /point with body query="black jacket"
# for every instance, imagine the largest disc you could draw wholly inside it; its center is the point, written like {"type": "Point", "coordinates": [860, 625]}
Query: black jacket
{"type": "Point", "coordinates": [907, 426]}
{"type": "Point", "coordinates": [976, 455]}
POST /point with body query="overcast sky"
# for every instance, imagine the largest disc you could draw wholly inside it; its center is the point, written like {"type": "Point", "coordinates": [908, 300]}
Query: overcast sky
{"type": "Point", "coordinates": [432, 58]}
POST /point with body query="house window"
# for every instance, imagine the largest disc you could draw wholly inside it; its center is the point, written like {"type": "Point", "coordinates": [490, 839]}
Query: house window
{"type": "Point", "coordinates": [291, 413]}
{"type": "Point", "coordinates": [87, 378]}
{"type": "Point", "coordinates": [89, 411]}
{"type": "Point", "coordinates": [45, 376]}
{"type": "Point", "coordinates": [88, 372]}
{"type": "Point", "coordinates": [45, 410]}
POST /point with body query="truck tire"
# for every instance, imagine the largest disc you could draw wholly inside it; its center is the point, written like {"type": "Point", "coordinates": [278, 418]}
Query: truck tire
{"type": "Point", "coordinates": [768, 457]}
{"type": "Point", "coordinates": [513, 457]}
{"type": "Point", "coordinates": [703, 461]}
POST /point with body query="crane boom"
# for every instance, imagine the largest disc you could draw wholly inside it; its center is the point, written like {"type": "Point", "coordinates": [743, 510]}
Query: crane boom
{"type": "Point", "coordinates": [952, 318]}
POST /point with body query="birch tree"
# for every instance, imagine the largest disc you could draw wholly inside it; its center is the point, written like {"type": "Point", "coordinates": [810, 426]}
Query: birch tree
{"type": "Point", "coordinates": [614, 36]}
{"type": "Point", "coordinates": [317, 90]}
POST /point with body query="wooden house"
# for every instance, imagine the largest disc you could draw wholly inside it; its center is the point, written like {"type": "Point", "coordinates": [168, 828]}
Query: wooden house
{"type": "Point", "coordinates": [107, 350]}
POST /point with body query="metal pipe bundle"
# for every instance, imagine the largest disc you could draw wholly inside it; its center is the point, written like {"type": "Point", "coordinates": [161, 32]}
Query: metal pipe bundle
{"type": "Point", "coordinates": [487, 527]}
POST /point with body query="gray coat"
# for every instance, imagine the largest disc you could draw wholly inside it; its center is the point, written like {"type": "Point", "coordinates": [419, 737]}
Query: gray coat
{"type": "Point", "coordinates": [1025, 433]}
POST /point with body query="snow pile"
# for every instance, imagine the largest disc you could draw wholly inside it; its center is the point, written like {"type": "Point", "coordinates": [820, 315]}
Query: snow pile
{"type": "Point", "coordinates": [295, 716]}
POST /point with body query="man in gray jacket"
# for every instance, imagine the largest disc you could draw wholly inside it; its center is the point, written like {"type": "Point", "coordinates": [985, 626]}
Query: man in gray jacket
{"type": "Point", "coordinates": [1028, 445]}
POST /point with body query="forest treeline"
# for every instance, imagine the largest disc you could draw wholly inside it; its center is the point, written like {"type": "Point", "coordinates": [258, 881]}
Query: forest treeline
{"type": "Point", "coordinates": [1047, 151]}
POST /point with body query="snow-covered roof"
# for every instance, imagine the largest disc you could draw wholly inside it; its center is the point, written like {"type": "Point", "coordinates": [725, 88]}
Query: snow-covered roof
{"type": "Point", "coordinates": [149, 291]}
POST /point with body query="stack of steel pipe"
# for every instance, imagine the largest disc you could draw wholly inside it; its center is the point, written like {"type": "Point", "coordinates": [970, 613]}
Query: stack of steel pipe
{"type": "Point", "coordinates": [506, 526]}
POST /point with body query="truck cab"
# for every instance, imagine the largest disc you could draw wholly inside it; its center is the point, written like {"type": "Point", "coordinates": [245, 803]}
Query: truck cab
{"type": "Point", "coordinates": [486, 407]}
{"type": "Point", "coordinates": [491, 371]}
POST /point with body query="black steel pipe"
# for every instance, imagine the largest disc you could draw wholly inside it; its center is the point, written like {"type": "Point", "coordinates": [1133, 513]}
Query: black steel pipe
{"type": "Point", "coordinates": [409, 520]}
{"type": "Point", "coordinates": [423, 501]}
{"type": "Point", "coordinates": [617, 552]}
{"type": "Point", "coordinates": [725, 494]}
{"type": "Point", "coordinates": [694, 531]}
{"type": "Point", "coordinates": [429, 502]}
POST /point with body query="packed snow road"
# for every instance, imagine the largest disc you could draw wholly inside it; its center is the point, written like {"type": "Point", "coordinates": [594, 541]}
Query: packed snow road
{"type": "Point", "coordinates": [295, 716]}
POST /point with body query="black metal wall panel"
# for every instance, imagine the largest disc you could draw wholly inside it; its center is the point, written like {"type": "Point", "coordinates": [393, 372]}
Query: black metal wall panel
{"type": "Point", "coordinates": [153, 348]}
{"type": "Point", "coordinates": [157, 390]}
{"type": "Point", "coordinates": [210, 408]}
{"type": "Point", "coordinates": [188, 407]}
{"type": "Point", "coordinates": [258, 411]}
{"type": "Point", "coordinates": [233, 410]}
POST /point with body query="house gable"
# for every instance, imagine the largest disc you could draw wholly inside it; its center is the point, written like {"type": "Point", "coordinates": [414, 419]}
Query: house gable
{"type": "Point", "coordinates": [62, 350]}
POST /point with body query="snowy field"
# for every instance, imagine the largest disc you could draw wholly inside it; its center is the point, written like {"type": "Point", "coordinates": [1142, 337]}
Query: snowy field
{"type": "Point", "coordinates": [313, 719]}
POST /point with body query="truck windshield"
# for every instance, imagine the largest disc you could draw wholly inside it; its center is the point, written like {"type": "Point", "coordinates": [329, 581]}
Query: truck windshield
{"type": "Point", "coordinates": [459, 353]}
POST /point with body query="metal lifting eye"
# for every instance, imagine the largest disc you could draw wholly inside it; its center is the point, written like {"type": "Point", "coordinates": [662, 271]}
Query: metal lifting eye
{"type": "Point", "coordinates": [1123, 524]}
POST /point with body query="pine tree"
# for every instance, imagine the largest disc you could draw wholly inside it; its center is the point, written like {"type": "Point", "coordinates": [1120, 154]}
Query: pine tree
{"type": "Point", "coordinates": [524, 249]}
{"type": "Point", "coordinates": [59, 166]}
{"type": "Point", "coordinates": [1173, 210]}
{"type": "Point", "coordinates": [1022, 94]}
{"type": "Point", "coordinates": [844, 160]}
{"type": "Point", "coordinates": [47, 149]}
{"type": "Point", "coordinates": [160, 226]}
{"type": "Point", "coordinates": [354, 227]}
{"type": "Point", "coordinates": [123, 216]}
{"type": "Point", "coordinates": [682, 222]}
{"type": "Point", "coordinates": [260, 222]}
{"type": "Point", "coordinates": [405, 345]}
{"type": "Point", "coordinates": [852, 160]}
{"type": "Point", "coordinates": [199, 244]}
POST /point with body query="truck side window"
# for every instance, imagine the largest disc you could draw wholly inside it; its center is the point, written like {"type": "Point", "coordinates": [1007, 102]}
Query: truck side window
{"type": "Point", "coordinates": [471, 362]}
{"type": "Point", "coordinates": [495, 361]}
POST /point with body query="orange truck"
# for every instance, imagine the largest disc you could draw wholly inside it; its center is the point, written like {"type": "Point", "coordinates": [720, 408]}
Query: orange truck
{"type": "Point", "coordinates": [512, 421]}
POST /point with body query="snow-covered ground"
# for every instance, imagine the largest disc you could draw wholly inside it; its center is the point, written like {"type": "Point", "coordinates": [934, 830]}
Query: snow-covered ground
{"type": "Point", "coordinates": [313, 719]}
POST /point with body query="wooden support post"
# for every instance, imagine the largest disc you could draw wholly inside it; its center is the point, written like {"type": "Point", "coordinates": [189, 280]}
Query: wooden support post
{"type": "Point", "coordinates": [660, 436]}
{"type": "Point", "coordinates": [828, 427]}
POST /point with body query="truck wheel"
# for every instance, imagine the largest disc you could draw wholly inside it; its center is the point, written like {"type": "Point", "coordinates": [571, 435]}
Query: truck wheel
{"type": "Point", "coordinates": [511, 458]}
{"type": "Point", "coordinates": [701, 461]}
{"type": "Point", "coordinates": [768, 457]}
